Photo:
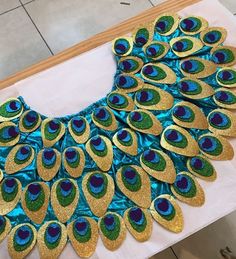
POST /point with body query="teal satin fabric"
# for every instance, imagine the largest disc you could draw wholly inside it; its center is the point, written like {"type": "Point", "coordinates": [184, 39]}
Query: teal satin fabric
{"type": "Point", "coordinates": [120, 202]}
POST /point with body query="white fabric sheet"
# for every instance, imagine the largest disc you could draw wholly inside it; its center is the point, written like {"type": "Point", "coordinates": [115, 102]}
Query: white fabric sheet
{"type": "Point", "coordinates": [69, 87]}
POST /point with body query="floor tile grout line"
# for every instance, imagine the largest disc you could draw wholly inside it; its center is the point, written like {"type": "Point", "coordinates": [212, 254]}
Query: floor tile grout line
{"type": "Point", "coordinates": [11, 9]}
{"type": "Point", "coordinates": [37, 28]}
{"type": "Point", "coordinates": [174, 252]}
{"type": "Point", "coordinates": [151, 2]}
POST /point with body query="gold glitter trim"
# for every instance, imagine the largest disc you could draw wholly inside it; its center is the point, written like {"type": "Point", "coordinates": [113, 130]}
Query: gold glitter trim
{"type": "Point", "coordinates": [22, 254]}
{"type": "Point", "coordinates": [22, 128]}
{"type": "Point", "coordinates": [10, 166]}
{"type": "Point", "coordinates": [166, 46]}
{"type": "Point", "coordinates": [129, 39]}
{"type": "Point", "coordinates": [39, 215]}
{"type": "Point", "coordinates": [77, 171]}
{"type": "Point", "coordinates": [197, 45]}
{"type": "Point", "coordinates": [220, 29]}
{"type": "Point", "coordinates": [207, 90]}
{"type": "Point", "coordinates": [1, 175]}
{"type": "Point", "coordinates": [114, 244]}
{"type": "Point", "coordinates": [139, 60]}
{"type": "Point", "coordinates": [82, 138]}
{"type": "Point", "coordinates": [230, 132]}
{"type": "Point", "coordinates": [64, 213]}
{"type": "Point", "coordinates": [104, 163]}
{"type": "Point", "coordinates": [131, 90]}
{"type": "Point", "coordinates": [48, 174]}
{"type": "Point", "coordinates": [220, 83]}
{"type": "Point", "coordinates": [99, 206]}
{"type": "Point", "coordinates": [203, 27]}
{"type": "Point", "coordinates": [177, 223]}
{"type": "Point", "coordinates": [223, 105]}
{"type": "Point", "coordinates": [15, 140]}
{"type": "Point", "coordinates": [131, 150]}
{"type": "Point", "coordinates": [206, 178]}
{"type": "Point", "coordinates": [130, 106]}
{"type": "Point", "coordinates": [227, 152]}
{"type": "Point", "coordinates": [86, 249]}
{"type": "Point", "coordinates": [165, 103]}
{"type": "Point", "coordinates": [47, 142]}
{"type": "Point", "coordinates": [149, 27]}
{"type": "Point", "coordinates": [14, 117]}
{"type": "Point", "coordinates": [168, 175]}
{"type": "Point", "coordinates": [114, 123]}
{"type": "Point", "coordinates": [209, 68]}
{"type": "Point", "coordinates": [192, 148]}
{"type": "Point", "coordinates": [142, 197]}
{"type": "Point", "coordinates": [197, 200]}
{"type": "Point", "coordinates": [199, 122]}
{"type": "Point", "coordinates": [233, 49]}
{"type": "Point", "coordinates": [175, 25]}
{"type": "Point", "coordinates": [170, 74]}
{"type": "Point", "coordinates": [140, 236]}
{"type": "Point", "coordinates": [6, 230]}
{"type": "Point", "coordinates": [46, 253]}
{"type": "Point", "coordinates": [156, 128]}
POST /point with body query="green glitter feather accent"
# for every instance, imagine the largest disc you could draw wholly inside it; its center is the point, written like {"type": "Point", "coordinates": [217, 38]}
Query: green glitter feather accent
{"type": "Point", "coordinates": [229, 54]}
{"type": "Point", "coordinates": [118, 106]}
{"type": "Point", "coordinates": [207, 169]}
{"type": "Point", "coordinates": [197, 91]}
{"type": "Point", "coordinates": [136, 227]}
{"type": "Point", "coordinates": [65, 200]}
{"type": "Point", "coordinates": [188, 43]}
{"type": "Point", "coordinates": [215, 32]}
{"type": "Point", "coordinates": [8, 197]}
{"type": "Point", "coordinates": [160, 166]}
{"type": "Point", "coordinates": [51, 136]}
{"type": "Point", "coordinates": [181, 144]}
{"type": "Point", "coordinates": [145, 124]}
{"type": "Point", "coordinates": [190, 119]}
{"type": "Point", "coordinates": [103, 192]}
{"type": "Point", "coordinates": [161, 74]}
{"type": "Point", "coordinates": [5, 114]}
{"type": "Point", "coordinates": [20, 162]}
{"type": "Point", "coordinates": [131, 187]}
{"type": "Point", "coordinates": [155, 99]}
{"type": "Point", "coordinates": [191, 193]}
{"type": "Point", "coordinates": [111, 234]}
{"type": "Point", "coordinates": [227, 126]}
{"type": "Point", "coordinates": [105, 123]}
{"type": "Point", "coordinates": [3, 226]}
{"type": "Point", "coordinates": [6, 140]}
{"type": "Point", "coordinates": [52, 246]}
{"type": "Point", "coordinates": [218, 149]}
{"type": "Point", "coordinates": [170, 22]}
{"type": "Point", "coordinates": [35, 205]}
{"type": "Point", "coordinates": [228, 82]}
{"type": "Point", "coordinates": [99, 153]}
{"type": "Point", "coordinates": [82, 239]}
{"type": "Point", "coordinates": [20, 248]}
{"type": "Point", "coordinates": [144, 33]}
{"type": "Point", "coordinates": [199, 24]}
{"type": "Point", "coordinates": [161, 50]}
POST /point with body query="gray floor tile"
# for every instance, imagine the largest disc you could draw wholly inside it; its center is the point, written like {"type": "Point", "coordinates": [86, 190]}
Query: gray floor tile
{"type": "Point", "coordinates": [166, 254]}
{"type": "Point", "coordinates": [6, 5]}
{"type": "Point", "coordinates": [64, 23]}
{"type": "Point", "coordinates": [207, 243]}
{"type": "Point", "coordinates": [156, 2]}
{"type": "Point", "coordinates": [27, 1]}
{"type": "Point", "coordinates": [20, 43]}
{"type": "Point", "coordinates": [229, 4]}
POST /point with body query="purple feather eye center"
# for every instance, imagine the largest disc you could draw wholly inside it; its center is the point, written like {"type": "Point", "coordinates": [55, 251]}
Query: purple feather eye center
{"type": "Point", "coordinates": [198, 164]}
{"type": "Point", "coordinates": [54, 125]}
{"type": "Point", "coordinates": [150, 155]}
{"type": "Point", "coordinates": [78, 123]}
{"type": "Point", "coordinates": [24, 150]}
{"type": "Point", "coordinates": [182, 183]}
{"type": "Point", "coordinates": [226, 75]}
{"type": "Point", "coordinates": [173, 135]}
{"type": "Point", "coordinates": [96, 141]}
{"type": "Point", "coordinates": [184, 86]}
{"type": "Point", "coordinates": [223, 96]}
{"type": "Point", "coordinates": [1, 221]}
{"type": "Point", "coordinates": [179, 111]}
{"type": "Point", "coordinates": [120, 47]}
{"type": "Point", "coordinates": [96, 180]}
{"type": "Point", "coordinates": [187, 65]}
{"type": "Point", "coordinates": [161, 25]}
{"type": "Point", "coordinates": [31, 117]}
{"type": "Point", "coordinates": [207, 143]}
{"type": "Point", "coordinates": [130, 173]}
{"type": "Point", "coordinates": [10, 182]}
{"type": "Point", "coordinates": [148, 69]}
{"type": "Point", "coordinates": [66, 185]}
{"type": "Point", "coordinates": [53, 230]}
{"type": "Point", "coordinates": [13, 105]}
{"type": "Point", "coordinates": [70, 154]}
{"type": "Point", "coordinates": [141, 40]}
{"type": "Point", "coordinates": [101, 113]}
{"type": "Point", "coordinates": [109, 220]}
{"type": "Point", "coordinates": [122, 135]}
{"type": "Point", "coordinates": [13, 131]}
{"type": "Point", "coordinates": [127, 65]}
{"type": "Point", "coordinates": [220, 56]}
{"type": "Point", "coordinates": [179, 45]}
{"type": "Point", "coordinates": [163, 205]}
{"type": "Point", "coordinates": [34, 188]}
{"type": "Point", "coordinates": [216, 119]}
{"type": "Point", "coordinates": [211, 36]}
{"type": "Point", "coordinates": [115, 99]}
{"type": "Point", "coordinates": [136, 116]}
{"type": "Point", "coordinates": [143, 96]}
{"type": "Point", "coordinates": [136, 214]}
{"type": "Point", "coordinates": [188, 24]}
{"type": "Point", "coordinates": [152, 50]}
{"type": "Point", "coordinates": [80, 226]}
{"type": "Point", "coordinates": [48, 154]}
{"type": "Point", "coordinates": [122, 80]}
{"type": "Point", "coordinates": [23, 234]}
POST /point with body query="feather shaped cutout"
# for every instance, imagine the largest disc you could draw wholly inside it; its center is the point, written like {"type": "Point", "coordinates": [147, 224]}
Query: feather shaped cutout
{"type": "Point", "coordinates": [112, 230]}
{"type": "Point", "coordinates": [194, 88]}
{"type": "Point", "coordinates": [98, 189]}
{"type": "Point", "coordinates": [35, 200]}
{"type": "Point", "coordinates": [19, 158]}
{"type": "Point", "coordinates": [225, 98]}
{"type": "Point", "coordinates": [135, 184]}
{"type": "Point", "coordinates": [21, 240]}
{"type": "Point", "coordinates": [201, 167]}
{"type": "Point", "coordinates": [29, 121]}
{"type": "Point", "coordinates": [166, 211]}
{"type": "Point", "coordinates": [192, 25]}
{"type": "Point", "coordinates": [74, 161]}
{"type": "Point", "coordinates": [156, 50]}
{"type": "Point", "coordinates": [142, 35]}
{"type": "Point", "coordinates": [52, 238]}
{"type": "Point", "coordinates": [224, 55]}
{"type": "Point", "coordinates": [48, 163]}
{"type": "Point", "coordinates": [10, 109]}
{"type": "Point", "coordinates": [215, 147]}
{"type": "Point", "coordinates": [188, 190]}
{"type": "Point", "coordinates": [158, 73]}
{"type": "Point", "coordinates": [185, 46]}
{"type": "Point", "coordinates": [195, 67]}
{"type": "Point", "coordinates": [158, 165]}
{"type": "Point", "coordinates": [64, 198]}
{"type": "Point", "coordinates": [213, 36]}
{"type": "Point", "coordinates": [122, 46]}
{"type": "Point", "coordinates": [144, 121]}
{"type": "Point", "coordinates": [120, 101]}
{"type": "Point", "coordinates": [100, 150]}
{"type": "Point", "coordinates": [178, 140]}
{"type": "Point", "coordinates": [126, 140]}
{"type": "Point", "coordinates": [188, 115]}
{"type": "Point", "coordinates": [153, 98]}
{"type": "Point", "coordinates": [139, 223]}
{"type": "Point", "coordinates": [5, 227]}
{"type": "Point", "coordinates": [79, 129]}
{"type": "Point", "coordinates": [83, 235]}
{"type": "Point", "coordinates": [104, 118]}
{"type": "Point", "coordinates": [130, 64]}
{"type": "Point", "coordinates": [166, 23]}
{"type": "Point", "coordinates": [128, 83]}
{"type": "Point", "coordinates": [226, 77]}
{"type": "Point", "coordinates": [9, 134]}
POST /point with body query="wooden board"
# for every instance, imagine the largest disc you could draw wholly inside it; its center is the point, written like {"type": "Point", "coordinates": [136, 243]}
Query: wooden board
{"type": "Point", "coordinates": [99, 39]}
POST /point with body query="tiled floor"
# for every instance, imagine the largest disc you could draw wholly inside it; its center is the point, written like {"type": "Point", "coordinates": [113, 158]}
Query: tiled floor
{"type": "Point", "coordinates": [32, 30]}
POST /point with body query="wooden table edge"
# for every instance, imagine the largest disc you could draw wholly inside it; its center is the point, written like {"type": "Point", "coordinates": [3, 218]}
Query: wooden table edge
{"type": "Point", "coordinates": [99, 39]}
